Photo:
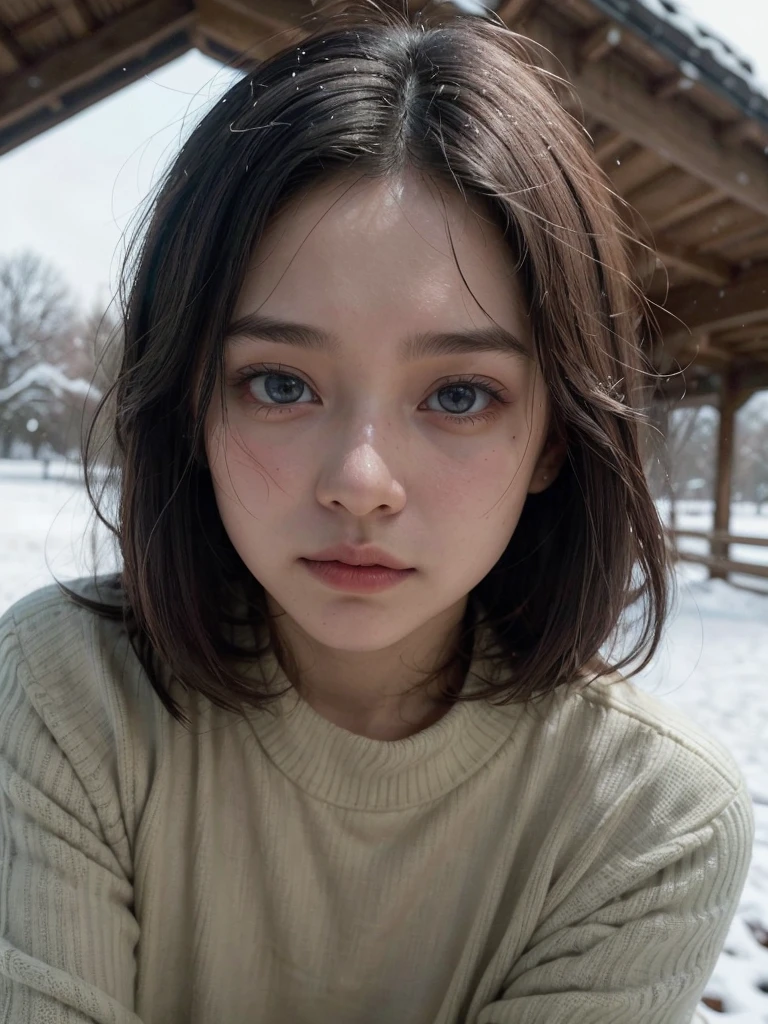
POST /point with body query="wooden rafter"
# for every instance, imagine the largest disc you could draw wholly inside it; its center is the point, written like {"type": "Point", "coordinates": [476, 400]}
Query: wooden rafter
{"type": "Point", "coordinates": [705, 308]}
{"type": "Point", "coordinates": [513, 12]}
{"type": "Point", "coordinates": [739, 334]}
{"type": "Point", "coordinates": [39, 20]}
{"type": "Point", "coordinates": [674, 256]}
{"type": "Point", "coordinates": [710, 269]}
{"type": "Point", "coordinates": [76, 16]}
{"type": "Point", "coordinates": [637, 169]}
{"type": "Point", "coordinates": [84, 59]}
{"type": "Point", "coordinates": [737, 133]}
{"type": "Point", "coordinates": [670, 86]}
{"type": "Point", "coordinates": [126, 71]}
{"type": "Point", "coordinates": [247, 34]}
{"type": "Point", "coordinates": [690, 208]}
{"type": "Point", "coordinates": [759, 343]}
{"type": "Point", "coordinates": [598, 42]}
{"type": "Point", "coordinates": [14, 54]}
{"type": "Point", "coordinates": [708, 353]}
{"type": "Point", "coordinates": [613, 95]}
{"type": "Point", "coordinates": [608, 145]}
{"type": "Point", "coordinates": [733, 235]}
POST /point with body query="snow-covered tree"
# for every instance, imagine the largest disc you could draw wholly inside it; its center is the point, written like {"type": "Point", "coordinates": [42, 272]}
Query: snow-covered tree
{"type": "Point", "coordinates": [55, 360]}
{"type": "Point", "coordinates": [36, 312]}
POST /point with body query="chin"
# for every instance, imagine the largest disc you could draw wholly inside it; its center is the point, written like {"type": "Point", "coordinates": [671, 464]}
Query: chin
{"type": "Point", "coordinates": [356, 625]}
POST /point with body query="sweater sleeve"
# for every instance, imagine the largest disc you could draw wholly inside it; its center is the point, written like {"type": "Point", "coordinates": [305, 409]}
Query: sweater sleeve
{"type": "Point", "coordinates": [644, 956]}
{"type": "Point", "coordinates": [67, 930]}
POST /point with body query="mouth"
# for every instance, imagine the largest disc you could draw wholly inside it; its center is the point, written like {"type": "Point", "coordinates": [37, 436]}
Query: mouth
{"type": "Point", "coordinates": [363, 556]}
{"type": "Point", "coordinates": [370, 578]}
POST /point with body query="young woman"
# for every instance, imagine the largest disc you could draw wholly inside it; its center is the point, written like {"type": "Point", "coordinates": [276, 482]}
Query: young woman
{"type": "Point", "coordinates": [348, 739]}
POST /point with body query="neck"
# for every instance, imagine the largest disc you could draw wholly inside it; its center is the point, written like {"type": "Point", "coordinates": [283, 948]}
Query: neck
{"type": "Point", "coordinates": [378, 693]}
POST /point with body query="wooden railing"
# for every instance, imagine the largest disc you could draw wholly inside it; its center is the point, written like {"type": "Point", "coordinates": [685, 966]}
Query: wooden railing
{"type": "Point", "coordinates": [717, 541]}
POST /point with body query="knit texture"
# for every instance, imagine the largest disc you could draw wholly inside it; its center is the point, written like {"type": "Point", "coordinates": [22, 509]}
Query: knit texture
{"type": "Point", "coordinates": [577, 861]}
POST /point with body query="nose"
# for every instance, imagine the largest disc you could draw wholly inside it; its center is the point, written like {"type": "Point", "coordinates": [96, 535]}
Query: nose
{"type": "Point", "coordinates": [357, 478]}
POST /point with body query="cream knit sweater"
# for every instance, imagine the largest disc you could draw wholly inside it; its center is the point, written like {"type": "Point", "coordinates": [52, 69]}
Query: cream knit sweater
{"type": "Point", "coordinates": [576, 863]}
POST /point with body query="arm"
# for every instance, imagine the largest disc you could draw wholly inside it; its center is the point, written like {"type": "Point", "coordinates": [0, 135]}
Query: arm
{"type": "Point", "coordinates": [67, 931]}
{"type": "Point", "coordinates": [645, 956]}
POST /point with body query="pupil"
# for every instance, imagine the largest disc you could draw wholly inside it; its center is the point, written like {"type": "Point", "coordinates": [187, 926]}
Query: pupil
{"type": "Point", "coordinates": [461, 395]}
{"type": "Point", "coordinates": [282, 388]}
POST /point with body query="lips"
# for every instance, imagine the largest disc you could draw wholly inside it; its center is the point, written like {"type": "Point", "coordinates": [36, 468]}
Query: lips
{"type": "Point", "coordinates": [350, 554]}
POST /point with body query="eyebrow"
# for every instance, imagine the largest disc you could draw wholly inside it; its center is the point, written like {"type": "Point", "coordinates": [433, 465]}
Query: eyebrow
{"type": "Point", "coordinates": [422, 345]}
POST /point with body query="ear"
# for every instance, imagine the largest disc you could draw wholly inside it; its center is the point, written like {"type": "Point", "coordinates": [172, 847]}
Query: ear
{"type": "Point", "coordinates": [549, 463]}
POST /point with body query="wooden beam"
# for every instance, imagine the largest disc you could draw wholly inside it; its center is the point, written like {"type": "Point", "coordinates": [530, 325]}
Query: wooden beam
{"type": "Point", "coordinates": [598, 42]}
{"type": "Point", "coordinates": [109, 82]}
{"type": "Point", "coordinates": [675, 256]}
{"type": "Point", "coordinates": [613, 94]}
{"type": "Point", "coordinates": [690, 208]}
{"type": "Point", "coordinates": [513, 12]}
{"type": "Point", "coordinates": [640, 167]}
{"type": "Point", "coordinates": [608, 145]}
{"type": "Point", "coordinates": [262, 22]}
{"type": "Point", "coordinates": [733, 235]}
{"type": "Point", "coordinates": [737, 133]}
{"type": "Point", "coordinates": [704, 268]}
{"type": "Point", "coordinates": [673, 85]}
{"type": "Point", "coordinates": [12, 50]}
{"type": "Point", "coordinates": [748, 346]}
{"type": "Point", "coordinates": [725, 446]}
{"type": "Point", "coordinates": [721, 567]}
{"type": "Point", "coordinates": [85, 59]}
{"type": "Point", "coordinates": [665, 352]}
{"type": "Point", "coordinates": [758, 542]}
{"type": "Point", "coordinates": [742, 333]}
{"type": "Point", "coordinates": [714, 358]}
{"type": "Point", "coordinates": [45, 19]}
{"type": "Point", "coordinates": [240, 30]}
{"type": "Point", "coordinates": [76, 17]}
{"type": "Point", "coordinates": [690, 389]}
{"type": "Point", "coordinates": [705, 308]}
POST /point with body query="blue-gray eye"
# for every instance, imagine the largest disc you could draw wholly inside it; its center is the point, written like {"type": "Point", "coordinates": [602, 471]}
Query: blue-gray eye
{"type": "Point", "coordinates": [460, 398]}
{"type": "Point", "coordinates": [281, 388]}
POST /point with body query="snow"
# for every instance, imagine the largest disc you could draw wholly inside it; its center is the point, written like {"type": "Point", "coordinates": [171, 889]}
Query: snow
{"type": "Point", "coordinates": [713, 666]}
{"type": "Point", "coordinates": [710, 27]}
{"type": "Point", "coordinates": [475, 6]}
{"type": "Point", "coordinates": [702, 37]}
{"type": "Point", "coordinates": [51, 378]}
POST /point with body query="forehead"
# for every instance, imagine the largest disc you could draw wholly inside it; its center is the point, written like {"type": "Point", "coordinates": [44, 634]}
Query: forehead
{"type": "Point", "coordinates": [382, 252]}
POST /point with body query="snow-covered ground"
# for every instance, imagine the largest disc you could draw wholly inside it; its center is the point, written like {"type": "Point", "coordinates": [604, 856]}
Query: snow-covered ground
{"type": "Point", "coordinates": [713, 666]}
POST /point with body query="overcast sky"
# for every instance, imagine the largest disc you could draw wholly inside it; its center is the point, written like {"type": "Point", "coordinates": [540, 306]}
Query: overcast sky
{"type": "Point", "coordinates": [71, 193]}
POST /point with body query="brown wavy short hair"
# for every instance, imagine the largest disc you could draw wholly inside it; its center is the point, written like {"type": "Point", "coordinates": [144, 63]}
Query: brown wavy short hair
{"type": "Point", "coordinates": [462, 99]}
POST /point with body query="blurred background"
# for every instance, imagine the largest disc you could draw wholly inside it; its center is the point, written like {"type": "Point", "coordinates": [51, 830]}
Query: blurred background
{"type": "Point", "coordinates": [96, 96]}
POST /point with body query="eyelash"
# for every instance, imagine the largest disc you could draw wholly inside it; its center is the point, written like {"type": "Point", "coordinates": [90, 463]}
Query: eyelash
{"type": "Point", "coordinates": [249, 373]}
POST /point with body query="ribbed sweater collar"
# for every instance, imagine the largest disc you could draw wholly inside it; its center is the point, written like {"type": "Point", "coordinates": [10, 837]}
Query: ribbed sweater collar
{"type": "Point", "coordinates": [340, 767]}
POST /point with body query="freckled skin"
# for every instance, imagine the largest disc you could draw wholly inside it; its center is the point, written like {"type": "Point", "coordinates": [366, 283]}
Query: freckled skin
{"type": "Point", "coordinates": [371, 261]}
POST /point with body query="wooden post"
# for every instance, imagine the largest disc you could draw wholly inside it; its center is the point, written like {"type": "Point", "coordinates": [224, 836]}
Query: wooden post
{"type": "Point", "coordinates": [729, 403]}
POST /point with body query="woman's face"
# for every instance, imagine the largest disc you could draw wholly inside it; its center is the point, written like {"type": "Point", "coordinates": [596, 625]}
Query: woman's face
{"type": "Point", "coordinates": [394, 418]}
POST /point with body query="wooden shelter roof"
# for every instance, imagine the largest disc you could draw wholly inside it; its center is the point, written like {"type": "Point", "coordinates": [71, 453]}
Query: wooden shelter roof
{"type": "Point", "coordinates": [678, 122]}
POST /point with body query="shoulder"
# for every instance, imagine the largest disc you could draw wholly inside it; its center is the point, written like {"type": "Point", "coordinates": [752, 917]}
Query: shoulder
{"type": "Point", "coordinates": [72, 673]}
{"type": "Point", "coordinates": [640, 798]}
{"type": "Point", "coordinates": [632, 773]}
{"type": "Point", "coordinates": [62, 648]}
{"type": "Point", "coordinates": [627, 711]}
{"type": "Point", "coordinates": [50, 609]}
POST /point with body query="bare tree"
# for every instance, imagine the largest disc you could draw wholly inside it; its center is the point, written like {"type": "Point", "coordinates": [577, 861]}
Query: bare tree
{"type": "Point", "coordinates": [752, 448]}
{"type": "Point", "coordinates": [36, 311]}
{"type": "Point", "coordinates": [36, 318]}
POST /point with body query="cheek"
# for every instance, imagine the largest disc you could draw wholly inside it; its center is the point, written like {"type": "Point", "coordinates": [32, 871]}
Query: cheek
{"type": "Point", "coordinates": [475, 507]}
{"type": "Point", "coordinates": [496, 474]}
{"type": "Point", "coordinates": [254, 476]}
